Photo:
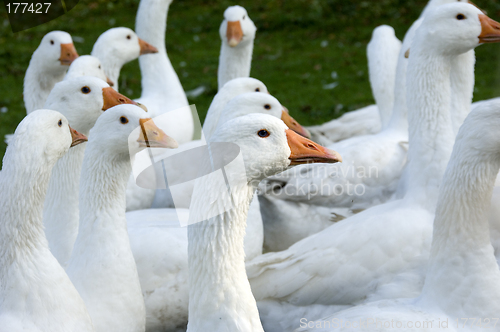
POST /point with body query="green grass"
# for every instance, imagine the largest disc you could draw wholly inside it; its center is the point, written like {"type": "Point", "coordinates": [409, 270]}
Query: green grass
{"type": "Point", "coordinates": [288, 54]}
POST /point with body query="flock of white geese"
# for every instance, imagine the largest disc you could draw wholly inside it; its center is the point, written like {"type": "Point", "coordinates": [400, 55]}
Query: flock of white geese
{"type": "Point", "coordinates": [83, 247]}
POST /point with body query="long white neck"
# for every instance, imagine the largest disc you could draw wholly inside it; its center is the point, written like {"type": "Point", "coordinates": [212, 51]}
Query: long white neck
{"type": "Point", "coordinates": [220, 298]}
{"type": "Point", "coordinates": [399, 117]}
{"type": "Point", "coordinates": [214, 112]}
{"type": "Point", "coordinates": [33, 285]}
{"type": "Point", "coordinates": [234, 62]}
{"type": "Point", "coordinates": [431, 135]}
{"type": "Point", "coordinates": [382, 53]}
{"type": "Point", "coordinates": [102, 266]}
{"type": "Point", "coordinates": [462, 87]}
{"type": "Point", "coordinates": [159, 79]}
{"type": "Point", "coordinates": [60, 212]}
{"type": "Point", "coordinates": [463, 278]}
{"type": "Point", "coordinates": [39, 83]}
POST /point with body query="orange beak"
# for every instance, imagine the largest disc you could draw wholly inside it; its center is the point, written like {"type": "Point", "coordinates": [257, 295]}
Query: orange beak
{"type": "Point", "coordinates": [146, 48]}
{"type": "Point", "coordinates": [234, 33]}
{"type": "Point", "coordinates": [68, 54]}
{"type": "Point", "coordinates": [305, 151]}
{"type": "Point", "coordinates": [490, 30]}
{"type": "Point", "coordinates": [113, 98]}
{"type": "Point", "coordinates": [294, 125]}
{"type": "Point", "coordinates": [110, 82]}
{"type": "Point", "coordinates": [153, 137]}
{"type": "Point", "coordinates": [76, 137]}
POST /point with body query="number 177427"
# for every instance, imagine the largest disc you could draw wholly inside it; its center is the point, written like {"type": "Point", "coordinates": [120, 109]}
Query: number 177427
{"type": "Point", "coordinates": [35, 8]}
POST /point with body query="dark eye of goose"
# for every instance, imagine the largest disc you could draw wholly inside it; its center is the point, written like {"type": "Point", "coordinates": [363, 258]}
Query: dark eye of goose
{"type": "Point", "coordinates": [263, 133]}
{"type": "Point", "coordinates": [99, 66]}
{"type": "Point", "coordinates": [59, 123]}
{"type": "Point", "coordinates": [51, 42]}
{"type": "Point", "coordinates": [257, 90]}
{"type": "Point", "coordinates": [267, 106]}
{"type": "Point", "coordinates": [86, 89]}
{"type": "Point", "coordinates": [460, 17]}
{"type": "Point", "coordinates": [123, 120]}
{"type": "Point", "coordinates": [129, 36]}
{"type": "Point", "coordinates": [244, 16]}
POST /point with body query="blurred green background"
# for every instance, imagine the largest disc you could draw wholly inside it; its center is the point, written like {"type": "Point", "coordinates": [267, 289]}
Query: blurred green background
{"type": "Point", "coordinates": [301, 47]}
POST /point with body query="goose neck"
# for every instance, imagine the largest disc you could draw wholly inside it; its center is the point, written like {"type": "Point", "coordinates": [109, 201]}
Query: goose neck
{"type": "Point", "coordinates": [220, 296]}
{"type": "Point", "coordinates": [431, 136]}
{"type": "Point", "coordinates": [463, 276]}
{"type": "Point", "coordinates": [462, 87]}
{"type": "Point", "coordinates": [61, 212]}
{"type": "Point", "coordinates": [151, 22]}
{"type": "Point", "coordinates": [234, 62]}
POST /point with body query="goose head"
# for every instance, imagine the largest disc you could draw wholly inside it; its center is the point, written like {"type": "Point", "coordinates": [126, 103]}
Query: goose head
{"type": "Point", "coordinates": [457, 28]}
{"type": "Point", "coordinates": [237, 28]}
{"type": "Point", "coordinates": [250, 102]}
{"type": "Point", "coordinates": [127, 129]}
{"type": "Point", "coordinates": [121, 44]}
{"type": "Point", "coordinates": [46, 135]}
{"type": "Point", "coordinates": [87, 65]}
{"type": "Point", "coordinates": [241, 85]}
{"type": "Point", "coordinates": [55, 52]}
{"type": "Point", "coordinates": [83, 99]}
{"type": "Point", "coordinates": [269, 147]}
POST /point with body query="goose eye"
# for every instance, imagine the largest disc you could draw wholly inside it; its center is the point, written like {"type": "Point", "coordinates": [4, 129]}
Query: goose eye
{"type": "Point", "coordinates": [244, 16]}
{"type": "Point", "coordinates": [461, 17]}
{"type": "Point", "coordinates": [99, 66]}
{"type": "Point", "coordinates": [51, 42]}
{"type": "Point", "coordinates": [123, 120]}
{"type": "Point", "coordinates": [267, 106]}
{"type": "Point", "coordinates": [257, 90]}
{"type": "Point", "coordinates": [129, 37]}
{"type": "Point", "coordinates": [263, 133]}
{"type": "Point", "coordinates": [86, 89]}
{"type": "Point", "coordinates": [59, 123]}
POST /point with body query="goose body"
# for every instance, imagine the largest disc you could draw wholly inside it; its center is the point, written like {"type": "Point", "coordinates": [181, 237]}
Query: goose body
{"type": "Point", "coordinates": [387, 244]}
{"type": "Point", "coordinates": [116, 47]}
{"type": "Point", "coordinates": [462, 279]}
{"type": "Point", "coordinates": [102, 266]}
{"type": "Point", "coordinates": [82, 100]}
{"type": "Point", "coordinates": [237, 33]}
{"type": "Point", "coordinates": [48, 65]}
{"type": "Point", "coordinates": [35, 292]}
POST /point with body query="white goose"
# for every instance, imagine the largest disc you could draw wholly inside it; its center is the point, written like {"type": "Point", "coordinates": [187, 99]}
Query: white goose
{"type": "Point", "coordinates": [82, 100]}
{"type": "Point", "coordinates": [380, 252]}
{"type": "Point", "coordinates": [364, 179]}
{"type": "Point", "coordinates": [101, 266]}
{"type": "Point", "coordinates": [47, 66]}
{"type": "Point", "coordinates": [462, 279]}
{"type": "Point", "coordinates": [35, 292]}
{"type": "Point", "coordinates": [87, 65]}
{"type": "Point", "coordinates": [117, 46]}
{"type": "Point", "coordinates": [160, 245]}
{"type": "Point", "coordinates": [237, 33]}
{"type": "Point", "coordinates": [220, 298]}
